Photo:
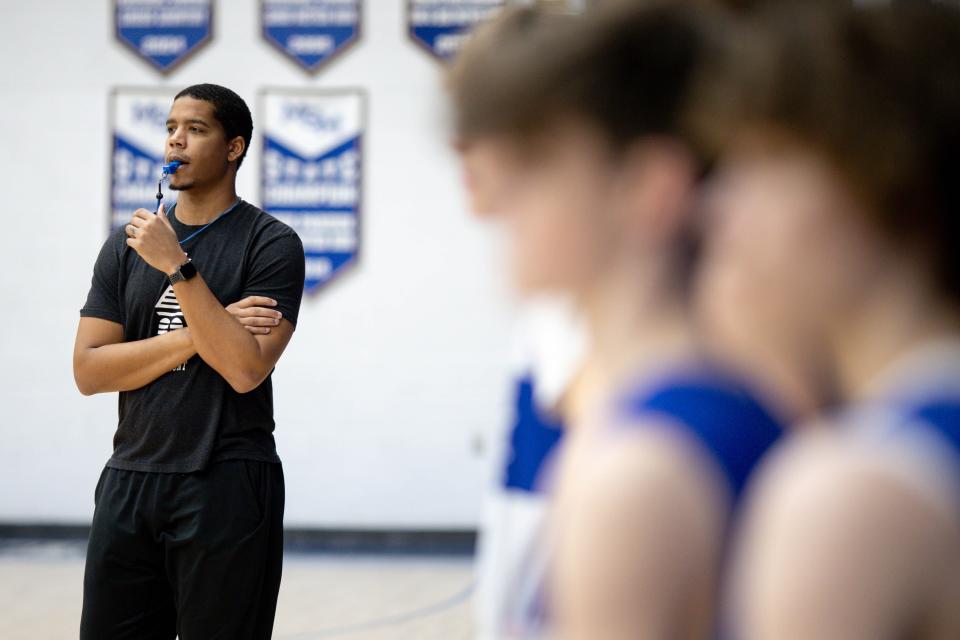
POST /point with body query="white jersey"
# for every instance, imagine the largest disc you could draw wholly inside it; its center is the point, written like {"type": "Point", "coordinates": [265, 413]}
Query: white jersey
{"type": "Point", "coordinates": [550, 346]}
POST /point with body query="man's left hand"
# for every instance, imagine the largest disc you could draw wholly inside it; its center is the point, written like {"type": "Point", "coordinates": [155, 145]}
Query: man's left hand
{"type": "Point", "coordinates": [153, 238]}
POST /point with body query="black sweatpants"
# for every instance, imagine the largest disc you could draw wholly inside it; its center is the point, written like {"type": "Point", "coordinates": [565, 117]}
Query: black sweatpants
{"type": "Point", "coordinates": [197, 555]}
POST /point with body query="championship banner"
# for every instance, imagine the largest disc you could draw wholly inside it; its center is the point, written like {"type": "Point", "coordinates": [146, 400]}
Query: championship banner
{"type": "Point", "coordinates": [311, 173]}
{"type": "Point", "coordinates": [442, 26]}
{"type": "Point", "coordinates": [138, 121]}
{"type": "Point", "coordinates": [164, 32]}
{"type": "Point", "coordinates": [311, 32]}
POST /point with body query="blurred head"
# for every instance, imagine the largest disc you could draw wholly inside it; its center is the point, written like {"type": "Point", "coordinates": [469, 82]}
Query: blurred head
{"type": "Point", "coordinates": [841, 169]}
{"type": "Point", "coordinates": [209, 130]}
{"type": "Point", "coordinates": [500, 56]}
{"type": "Point", "coordinates": [569, 130]}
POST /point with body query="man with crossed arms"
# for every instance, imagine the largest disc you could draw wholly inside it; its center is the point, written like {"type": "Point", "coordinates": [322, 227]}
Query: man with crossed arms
{"type": "Point", "coordinates": [187, 534]}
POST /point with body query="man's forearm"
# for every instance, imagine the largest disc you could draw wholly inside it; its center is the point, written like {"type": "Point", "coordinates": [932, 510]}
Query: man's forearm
{"type": "Point", "coordinates": [219, 338]}
{"type": "Point", "coordinates": [130, 365]}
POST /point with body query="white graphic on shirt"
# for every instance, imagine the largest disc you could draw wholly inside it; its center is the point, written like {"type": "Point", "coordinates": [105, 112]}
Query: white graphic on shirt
{"type": "Point", "coordinates": [170, 316]}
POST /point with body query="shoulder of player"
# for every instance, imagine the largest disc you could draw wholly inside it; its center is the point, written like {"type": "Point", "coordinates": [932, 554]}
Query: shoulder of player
{"type": "Point", "coordinates": [859, 484]}
{"type": "Point", "coordinates": [646, 464]}
{"type": "Point", "coordinates": [640, 495]}
{"type": "Point", "coordinates": [828, 509]}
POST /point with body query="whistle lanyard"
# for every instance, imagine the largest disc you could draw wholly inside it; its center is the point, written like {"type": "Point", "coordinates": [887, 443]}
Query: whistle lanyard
{"type": "Point", "coordinates": [206, 226]}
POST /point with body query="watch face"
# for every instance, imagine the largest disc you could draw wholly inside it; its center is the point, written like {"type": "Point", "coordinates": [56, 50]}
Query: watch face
{"type": "Point", "coordinates": [188, 271]}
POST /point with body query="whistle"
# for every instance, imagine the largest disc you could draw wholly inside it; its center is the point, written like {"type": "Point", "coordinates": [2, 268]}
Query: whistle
{"type": "Point", "coordinates": [168, 170]}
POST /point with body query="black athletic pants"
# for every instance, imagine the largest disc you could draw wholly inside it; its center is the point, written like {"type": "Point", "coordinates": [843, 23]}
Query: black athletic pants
{"type": "Point", "coordinates": [197, 555]}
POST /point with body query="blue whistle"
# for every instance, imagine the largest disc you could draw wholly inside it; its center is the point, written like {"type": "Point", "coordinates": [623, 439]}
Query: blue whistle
{"type": "Point", "coordinates": [168, 170]}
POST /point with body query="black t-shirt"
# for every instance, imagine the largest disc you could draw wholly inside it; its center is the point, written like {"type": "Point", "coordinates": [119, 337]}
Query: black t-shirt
{"type": "Point", "coordinates": [190, 416]}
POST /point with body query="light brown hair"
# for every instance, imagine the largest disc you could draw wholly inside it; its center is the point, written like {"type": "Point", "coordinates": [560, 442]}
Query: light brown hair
{"type": "Point", "coordinates": [623, 69]}
{"type": "Point", "coordinates": [875, 91]}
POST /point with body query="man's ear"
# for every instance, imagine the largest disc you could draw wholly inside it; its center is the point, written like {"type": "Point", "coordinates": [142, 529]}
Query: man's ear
{"type": "Point", "coordinates": [235, 148]}
{"type": "Point", "coordinates": [658, 180]}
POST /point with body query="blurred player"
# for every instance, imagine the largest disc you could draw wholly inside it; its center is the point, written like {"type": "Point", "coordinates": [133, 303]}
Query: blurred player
{"type": "Point", "coordinates": [548, 350]}
{"type": "Point", "coordinates": [839, 206]}
{"type": "Point", "coordinates": [597, 193]}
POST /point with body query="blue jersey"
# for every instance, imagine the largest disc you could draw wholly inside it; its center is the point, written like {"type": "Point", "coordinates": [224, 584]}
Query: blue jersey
{"type": "Point", "coordinates": [533, 437]}
{"type": "Point", "coordinates": [717, 410]}
{"type": "Point", "coordinates": [512, 556]}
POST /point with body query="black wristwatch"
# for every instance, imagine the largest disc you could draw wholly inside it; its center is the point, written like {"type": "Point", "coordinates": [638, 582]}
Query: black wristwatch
{"type": "Point", "coordinates": [184, 272]}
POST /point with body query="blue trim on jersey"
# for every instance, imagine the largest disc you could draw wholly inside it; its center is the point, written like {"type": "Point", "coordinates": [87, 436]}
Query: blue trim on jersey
{"type": "Point", "coordinates": [939, 414]}
{"type": "Point", "coordinates": [943, 416]}
{"type": "Point", "coordinates": [719, 411]}
{"type": "Point", "coordinates": [533, 437]}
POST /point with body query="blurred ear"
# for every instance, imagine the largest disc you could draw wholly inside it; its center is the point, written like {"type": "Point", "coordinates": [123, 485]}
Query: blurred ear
{"type": "Point", "coordinates": [656, 190]}
{"type": "Point", "coordinates": [235, 148]}
{"type": "Point", "coordinates": [488, 166]}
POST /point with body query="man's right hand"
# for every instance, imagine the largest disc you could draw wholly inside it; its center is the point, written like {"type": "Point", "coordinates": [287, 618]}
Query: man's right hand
{"type": "Point", "coordinates": [255, 314]}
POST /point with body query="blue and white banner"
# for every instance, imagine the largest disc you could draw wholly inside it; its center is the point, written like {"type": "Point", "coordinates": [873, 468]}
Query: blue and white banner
{"type": "Point", "coordinates": [442, 26]}
{"type": "Point", "coordinates": [311, 174]}
{"type": "Point", "coordinates": [311, 32]}
{"type": "Point", "coordinates": [164, 32]}
{"type": "Point", "coordinates": [138, 121]}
